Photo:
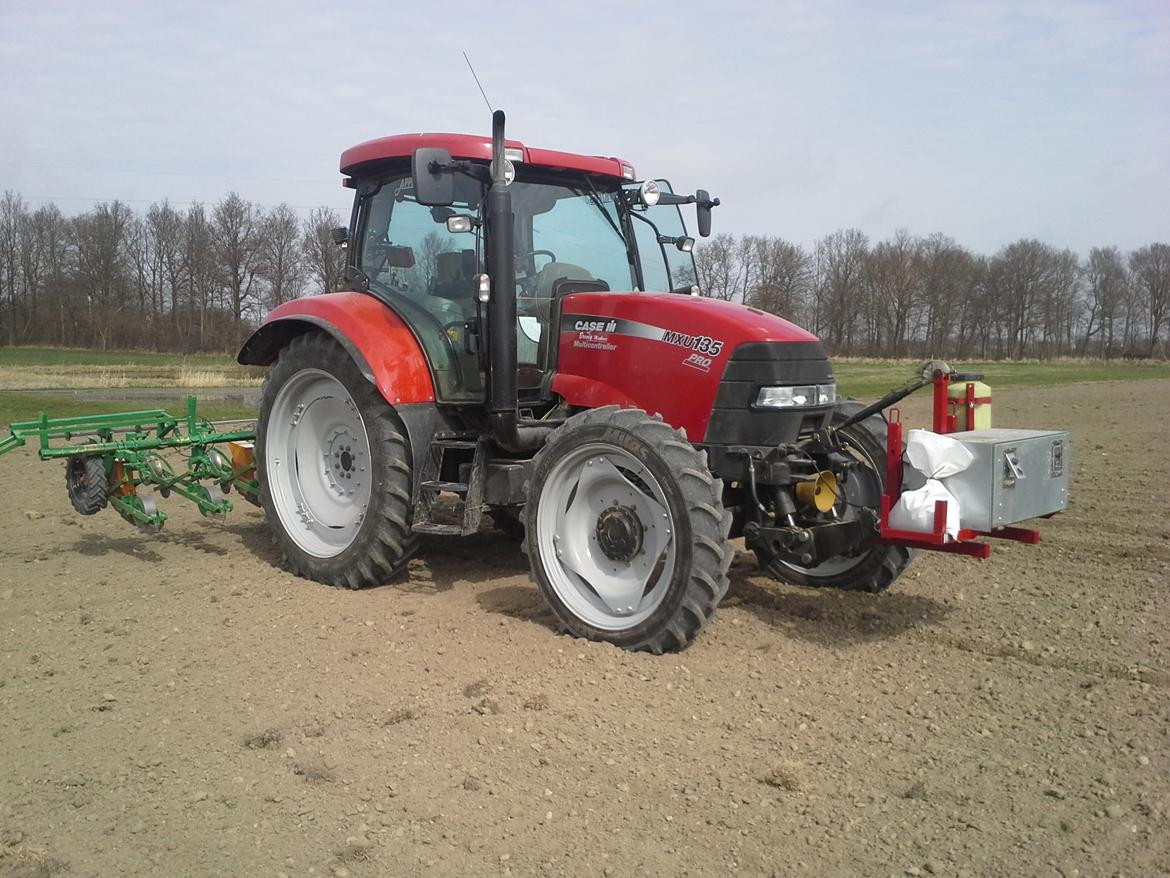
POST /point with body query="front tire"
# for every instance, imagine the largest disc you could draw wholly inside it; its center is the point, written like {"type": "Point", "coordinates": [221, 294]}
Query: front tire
{"type": "Point", "coordinates": [626, 531]}
{"type": "Point", "coordinates": [874, 567]}
{"type": "Point", "coordinates": [334, 468]}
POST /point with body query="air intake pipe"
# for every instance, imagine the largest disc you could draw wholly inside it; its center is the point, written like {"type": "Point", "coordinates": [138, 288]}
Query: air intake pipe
{"type": "Point", "coordinates": [508, 430]}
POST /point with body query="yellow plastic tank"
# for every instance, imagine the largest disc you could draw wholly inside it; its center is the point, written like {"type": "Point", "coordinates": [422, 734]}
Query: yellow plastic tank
{"type": "Point", "coordinates": [970, 403]}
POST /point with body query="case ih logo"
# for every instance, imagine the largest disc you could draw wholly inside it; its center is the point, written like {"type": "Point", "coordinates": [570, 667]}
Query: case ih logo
{"type": "Point", "coordinates": [595, 325]}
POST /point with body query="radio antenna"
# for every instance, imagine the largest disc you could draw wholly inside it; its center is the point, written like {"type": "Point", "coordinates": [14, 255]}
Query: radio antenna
{"type": "Point", "coordinates": [476, 78]}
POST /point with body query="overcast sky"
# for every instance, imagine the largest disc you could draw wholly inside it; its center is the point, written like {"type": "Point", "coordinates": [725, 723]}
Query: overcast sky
{"type": "Point", "coordinates": [986, 121]}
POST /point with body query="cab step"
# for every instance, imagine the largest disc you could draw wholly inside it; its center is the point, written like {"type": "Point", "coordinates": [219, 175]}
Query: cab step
{"type": "Point", "coordinates": [449, 454]}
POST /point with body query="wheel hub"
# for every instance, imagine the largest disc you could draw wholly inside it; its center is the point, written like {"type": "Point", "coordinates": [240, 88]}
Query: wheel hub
{"type": "Point", "coordinates": [345, 463]}
{"type": "Point", "coordinates": [619, 533]}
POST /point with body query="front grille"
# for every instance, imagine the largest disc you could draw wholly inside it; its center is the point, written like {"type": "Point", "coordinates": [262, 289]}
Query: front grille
{"type": "Point", "coordinates": [734, 421]}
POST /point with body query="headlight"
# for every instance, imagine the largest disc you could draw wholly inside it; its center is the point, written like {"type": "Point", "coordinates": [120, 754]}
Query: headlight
{"type": "Point", "coordinates": [649, 193]}
{"type": "Point", "coordinates": [798, 396]}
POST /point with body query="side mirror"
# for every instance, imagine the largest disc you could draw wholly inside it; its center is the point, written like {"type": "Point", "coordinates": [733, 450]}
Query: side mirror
{"type": "Point", "coordinates": [459, 223]}
{"type": "Point", "coordinates": [703, 204]}
{"type": "Point", "coordinates": [340, 236]}
{"type": "Point", "coordinates": [434, 186]}
{"type": "Point", "coordinates": [682, 242]}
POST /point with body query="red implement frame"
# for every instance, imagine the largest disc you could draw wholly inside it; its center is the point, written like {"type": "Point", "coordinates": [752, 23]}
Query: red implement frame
{"type": "Point", "coordinates": [936, 539]}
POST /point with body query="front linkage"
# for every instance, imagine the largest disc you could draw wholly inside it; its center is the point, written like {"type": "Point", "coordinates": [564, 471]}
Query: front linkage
{"type": "Point", "coordinates": [124, 450]}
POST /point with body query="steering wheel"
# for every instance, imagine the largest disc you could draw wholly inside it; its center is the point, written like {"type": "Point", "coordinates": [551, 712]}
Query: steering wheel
{"type": "Point", "coordinates": [552, 256]}
{"type": "Point", "coordinates": [527, 285]}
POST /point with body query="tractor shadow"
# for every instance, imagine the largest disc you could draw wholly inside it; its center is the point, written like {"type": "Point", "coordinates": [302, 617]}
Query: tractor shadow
{"type": "Point", "coordinates": [827, 616]}
{"type": "Point", "coordinates": [439, 564]}
{"type": "Point", "coordinates": [253, 536]}
{"type": "Point", "coordinates": [523, 603]}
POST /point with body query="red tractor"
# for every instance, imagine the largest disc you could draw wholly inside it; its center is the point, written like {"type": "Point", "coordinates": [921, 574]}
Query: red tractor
{"type": "Point", "coordinates": [524, 332]}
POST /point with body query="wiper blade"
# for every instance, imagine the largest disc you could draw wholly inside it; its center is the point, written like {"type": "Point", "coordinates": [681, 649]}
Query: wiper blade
{"type": "Point", "coordinates": [596, 199]}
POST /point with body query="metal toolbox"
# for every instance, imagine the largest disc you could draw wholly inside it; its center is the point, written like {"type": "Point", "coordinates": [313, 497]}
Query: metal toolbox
{"type": "Point", "coordinates": [1015, 475]}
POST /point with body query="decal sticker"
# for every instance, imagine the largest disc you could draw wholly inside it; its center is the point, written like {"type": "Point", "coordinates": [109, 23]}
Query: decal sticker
{"type": "Point", "coordinates": [698, 361]}
{"type": "Point", "coordinates": [593, 325]}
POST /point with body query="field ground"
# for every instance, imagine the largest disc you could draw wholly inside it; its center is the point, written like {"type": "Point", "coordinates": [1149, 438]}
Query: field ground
{"type": "Point", "coordinates": [180, 705]}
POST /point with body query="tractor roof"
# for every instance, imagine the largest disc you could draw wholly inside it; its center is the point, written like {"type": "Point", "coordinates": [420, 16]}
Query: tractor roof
{"type": "Point", "coordinates": [473, 146]}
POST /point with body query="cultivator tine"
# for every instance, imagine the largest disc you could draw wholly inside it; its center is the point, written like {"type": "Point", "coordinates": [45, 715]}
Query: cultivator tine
{"type": "Point", "coordinates": [130, 447]}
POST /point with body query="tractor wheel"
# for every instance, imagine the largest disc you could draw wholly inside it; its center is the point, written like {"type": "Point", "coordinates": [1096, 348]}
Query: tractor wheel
{"type": "Point", "coordinates": [87, 484]}
{"type": "Point", "coordinates": [627, 535]}
{"type": "Point", "coordinates": [334, 467]}
{"type": "Point", "coordinates": [874, 567]}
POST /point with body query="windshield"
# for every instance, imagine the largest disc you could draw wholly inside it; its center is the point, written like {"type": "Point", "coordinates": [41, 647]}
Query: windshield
{"type": "Point", "coordinates": [568, 232]}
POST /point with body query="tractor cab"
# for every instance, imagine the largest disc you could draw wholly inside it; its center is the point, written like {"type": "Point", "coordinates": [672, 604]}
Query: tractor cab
{"type": "Point", "coordinates": [580, 224]}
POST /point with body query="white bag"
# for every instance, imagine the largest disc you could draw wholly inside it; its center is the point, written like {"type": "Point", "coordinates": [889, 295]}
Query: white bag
{"type": "Point", "coordinates": [914, 510]}
{"type": "Point", "coordinates": [936, 456]}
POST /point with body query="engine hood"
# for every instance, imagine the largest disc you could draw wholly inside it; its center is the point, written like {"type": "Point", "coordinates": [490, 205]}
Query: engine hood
{"type": "Point", "coordinates": [664, 353]}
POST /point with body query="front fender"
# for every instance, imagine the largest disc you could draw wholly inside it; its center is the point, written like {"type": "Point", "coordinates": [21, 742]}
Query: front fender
{"type": "Point", "coordinates": [381, 344]}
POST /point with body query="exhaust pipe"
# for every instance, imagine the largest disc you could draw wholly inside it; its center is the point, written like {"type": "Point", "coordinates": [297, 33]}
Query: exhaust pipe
{"type": "Point", "coordinates": [507, 429]}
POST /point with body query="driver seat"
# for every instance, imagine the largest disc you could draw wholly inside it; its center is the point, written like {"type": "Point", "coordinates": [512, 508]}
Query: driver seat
{"type": "Point", "coordinates": [548, 276]}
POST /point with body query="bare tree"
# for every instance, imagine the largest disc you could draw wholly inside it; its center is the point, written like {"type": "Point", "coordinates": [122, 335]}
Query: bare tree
{"type": "Point", "coordinates": [1106, 282]}
{"type": "Point", "coordinates": [783, 277]}
{"type": "Point", "coordinates": [1151, 272]}
{"type": "Point", "coordinates": [12, 211]}
{"type": "Point", "coordinates": [101, 267]}
{"type": "Point", "coordinates": [725, 267]}
{"type": "Point", "coordinates": [324, 261]}
{"type": "Point", "coordinates": [840, 266]}
{"type": "Point", "coordinates": [893, 269]}
{"type": "Point", "coordinates": [237, 252]}
{"type": "Point", "coordinates": [280, 255]}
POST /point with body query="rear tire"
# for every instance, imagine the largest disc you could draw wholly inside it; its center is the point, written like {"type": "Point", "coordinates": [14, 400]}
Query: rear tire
{"type": "Point", "coordinates": [334, 467]}
{"type": "Point", "coordinates": [626, 531]}
{"type": "Point", "coordinates": [873, 568]}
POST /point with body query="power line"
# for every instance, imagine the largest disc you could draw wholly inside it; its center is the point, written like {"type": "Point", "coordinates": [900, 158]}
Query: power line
{"type": "Point", "coordinates": [160, 201]}
{"type": "Point", "coordinates": [149, 173]}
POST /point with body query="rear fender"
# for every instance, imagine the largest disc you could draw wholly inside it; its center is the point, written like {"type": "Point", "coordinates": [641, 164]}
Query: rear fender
{"type": "Point", "coordinates": [380, 343]}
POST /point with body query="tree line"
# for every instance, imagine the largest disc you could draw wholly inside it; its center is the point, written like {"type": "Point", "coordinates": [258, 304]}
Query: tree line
{"type": "Point", "coordinates": [166, 279]}
{"type": "Point", "coordinates": [200, 278]}
{"type": "Point", "coordinates": [929, 296]}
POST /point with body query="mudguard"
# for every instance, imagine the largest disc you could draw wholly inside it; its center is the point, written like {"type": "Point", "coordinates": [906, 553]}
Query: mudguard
{"type": "Point", "coordinates": [380, 342]}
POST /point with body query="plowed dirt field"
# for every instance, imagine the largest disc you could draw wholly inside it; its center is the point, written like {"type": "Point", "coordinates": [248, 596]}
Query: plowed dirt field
{"type": "Point", "coordinates": [179, 705]}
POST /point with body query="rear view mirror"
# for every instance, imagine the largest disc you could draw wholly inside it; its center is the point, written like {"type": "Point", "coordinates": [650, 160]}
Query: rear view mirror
{"type": "Point", "coordinates": [434, 185]}
{"type": "Point", "coordinates": [399, 257]}
{"type": "Point", "coordinates": [703, 205]}
{"type": "Point", "coordinates": [340, 235]}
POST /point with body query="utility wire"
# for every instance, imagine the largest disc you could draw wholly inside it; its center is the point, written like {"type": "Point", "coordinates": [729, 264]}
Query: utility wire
{"type": "Point", "coordinates": [161, 200]}
{"type": "Point", "coordinates": [152, 173]}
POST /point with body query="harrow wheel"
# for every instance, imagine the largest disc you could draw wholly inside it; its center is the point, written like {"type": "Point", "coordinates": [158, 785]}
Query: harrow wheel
{"type": "Point", "coordinates": [87, 484]}
{"type": "Point", "coordinates": [626, 531]}
{"type": "Point", "coordinates": [334, 468]}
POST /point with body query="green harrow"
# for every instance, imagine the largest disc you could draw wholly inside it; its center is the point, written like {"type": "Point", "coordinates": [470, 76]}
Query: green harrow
{"type": "Point", "coordinates": [124, 451]}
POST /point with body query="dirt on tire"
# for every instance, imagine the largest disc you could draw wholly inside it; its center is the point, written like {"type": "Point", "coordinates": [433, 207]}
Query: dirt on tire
{"type": "Point", "coordinates": [179, 705]}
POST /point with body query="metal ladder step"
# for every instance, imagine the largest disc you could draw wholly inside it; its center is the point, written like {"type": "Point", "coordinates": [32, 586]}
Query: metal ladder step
{"type": "Point", "coordinates": [430, 527]}
{"type": "Point", "coordinates": [470, 507]}
{"type": "Point", "coordinates": [452, 487]}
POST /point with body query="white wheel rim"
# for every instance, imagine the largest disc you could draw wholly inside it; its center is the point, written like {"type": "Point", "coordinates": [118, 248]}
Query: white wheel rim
{"type": "Point", "coordinates": [606, 593]}
{"type": "Point", "coordinates": [317, 463]}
